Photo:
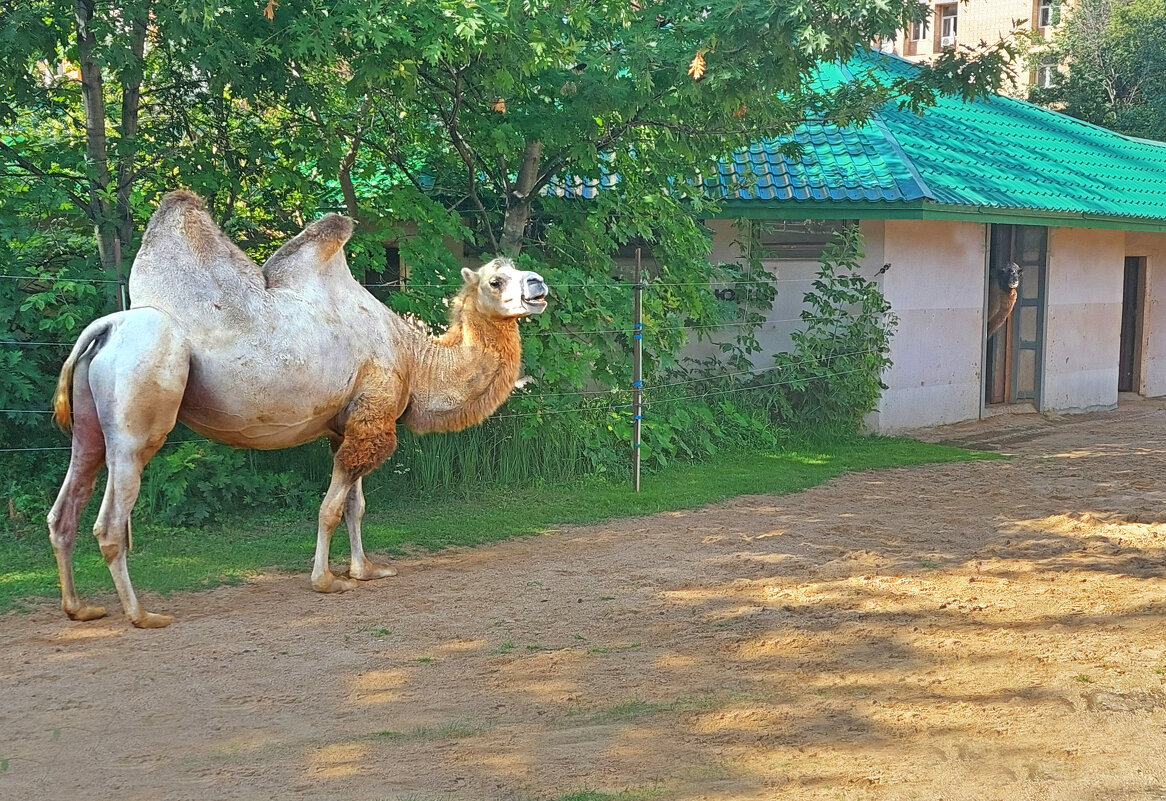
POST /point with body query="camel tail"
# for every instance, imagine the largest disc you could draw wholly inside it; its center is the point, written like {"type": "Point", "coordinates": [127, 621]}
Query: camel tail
{"type": "Point", "coordinates": [62, 403]}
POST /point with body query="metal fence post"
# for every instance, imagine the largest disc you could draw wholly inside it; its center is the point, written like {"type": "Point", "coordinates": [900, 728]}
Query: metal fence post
{"type": "Point", "coordinates": [637, 372]}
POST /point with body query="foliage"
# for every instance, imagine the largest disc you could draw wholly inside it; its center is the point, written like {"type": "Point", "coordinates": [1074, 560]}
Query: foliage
{"type": "Point", "coordinates": [833, 376]}
{"type": "Point", "coordinates": [1113, 59]}
{"type": "Point", "coordinates": [435, 125]}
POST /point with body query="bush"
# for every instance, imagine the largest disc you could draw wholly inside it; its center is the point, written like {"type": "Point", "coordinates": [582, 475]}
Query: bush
{"type": "Point", "coordinates": [553, 431]}
{"type": "Point", "coordinates": [833, 376]}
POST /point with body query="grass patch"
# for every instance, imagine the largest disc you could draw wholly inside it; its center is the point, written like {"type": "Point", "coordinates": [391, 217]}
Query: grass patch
{"type": "Point", "coordinates": [637, 709]}
{"type": "Point", "coordinates": [447, 731]}
{"type": "Point", "coordinates": [624, 795]}
{"type": "Point", "coordinates": [168, 558]}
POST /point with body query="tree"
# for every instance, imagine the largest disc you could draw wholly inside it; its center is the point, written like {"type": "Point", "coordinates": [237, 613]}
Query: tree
{"type": "Point", "coordinates": [1113, 59]}
{"type": "Point", "coordinates": [513, 95]}
{"type": "Point", "coordinates": [478, 121]}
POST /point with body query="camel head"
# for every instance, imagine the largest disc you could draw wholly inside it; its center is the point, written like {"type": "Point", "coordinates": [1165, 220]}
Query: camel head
{"type": "Point", "coordinates": [499, 289]}
{"type": "Point", "coordinates": [1008, 276]}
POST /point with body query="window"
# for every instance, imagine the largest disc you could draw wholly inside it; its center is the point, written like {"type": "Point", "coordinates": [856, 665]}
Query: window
{"type": "Point", "coordinates": [947, 25]}
{"type": "Point", "coordinates": [628, 249]}
{"type": "Point", "coordinates": [1049, 13]}
{"type": "Point", "coordinates": [795, 240]}
{"type": "Point", "coordinates": [382, 283]}
{"type": "Point", "coordinates": [919, 30]}
{"type": "Point", "coordinates": [1046, 75]}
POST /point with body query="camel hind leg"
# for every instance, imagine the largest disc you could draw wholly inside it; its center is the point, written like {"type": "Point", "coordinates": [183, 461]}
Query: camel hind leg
{"type": "Point", "coordinates": [64, 518]}
{"type": "Point", "coordinates": [137, 379]}
{"type": "Point", "coordinates": [125, 460]}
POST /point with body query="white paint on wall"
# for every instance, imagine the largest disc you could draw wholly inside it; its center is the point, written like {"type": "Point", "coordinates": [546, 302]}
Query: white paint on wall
{"type": "Point", "coordinates": [793, 279]}
{"type": "Point", "coordinates": [936, 287]}
{"type": "Point", "coordinates": [1083, 319]}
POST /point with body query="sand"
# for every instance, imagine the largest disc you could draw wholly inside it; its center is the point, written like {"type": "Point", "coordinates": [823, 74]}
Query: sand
{"type": "Point", "coordinates": [989, 630]}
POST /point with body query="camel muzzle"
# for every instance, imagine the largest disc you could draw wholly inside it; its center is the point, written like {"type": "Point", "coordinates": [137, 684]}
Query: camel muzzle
{"type": "Point", "coordinates": [534, 293]}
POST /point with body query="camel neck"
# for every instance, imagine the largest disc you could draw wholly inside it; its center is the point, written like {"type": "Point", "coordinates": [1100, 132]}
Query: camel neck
{"type": "Point", "coordinates": [464, 375]}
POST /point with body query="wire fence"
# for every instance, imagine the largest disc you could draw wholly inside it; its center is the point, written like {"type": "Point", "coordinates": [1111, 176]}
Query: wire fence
{"type": "Point", "coordinates": [744, 380]}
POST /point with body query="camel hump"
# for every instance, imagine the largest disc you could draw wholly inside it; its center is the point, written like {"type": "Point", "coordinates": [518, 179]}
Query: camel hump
{"type": "Point", "coordinates": [185, 261]}
{"type": "Point", "coordinates": [318, 249]}
{"type": "Point", "coordinates": [179, 197]}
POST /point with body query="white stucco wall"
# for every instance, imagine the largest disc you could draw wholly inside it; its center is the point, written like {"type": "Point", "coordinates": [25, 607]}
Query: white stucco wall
{"type": "Point", "coordinates": [936, 286]}
{"type": "Point", "coordinates": [1152, 247]}
{"type": "Point", "coordinates": [793, 279]}
{"type": "Point", "coordinates": [1083, 319]}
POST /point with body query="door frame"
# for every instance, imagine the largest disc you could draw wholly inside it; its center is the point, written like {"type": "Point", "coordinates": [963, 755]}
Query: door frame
{"type": "Point", "coordinates": [1002, 246]}
{"type": "Point", "coordinates": [1133, 313]}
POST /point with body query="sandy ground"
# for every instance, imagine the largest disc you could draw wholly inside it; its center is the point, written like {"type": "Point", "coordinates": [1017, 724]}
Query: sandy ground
{"type": "Point", "coordinates": [976, 631]}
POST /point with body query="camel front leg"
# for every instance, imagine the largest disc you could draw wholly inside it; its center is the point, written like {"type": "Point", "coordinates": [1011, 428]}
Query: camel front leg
{"type": "Point", "coordinates": [363, 568]}
{"type": "Point", "coordinates": [331, 510]}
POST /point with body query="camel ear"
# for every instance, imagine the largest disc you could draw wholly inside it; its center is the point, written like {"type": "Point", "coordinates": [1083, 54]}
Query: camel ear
{"type": "Point", "coordinates": [469, 276]}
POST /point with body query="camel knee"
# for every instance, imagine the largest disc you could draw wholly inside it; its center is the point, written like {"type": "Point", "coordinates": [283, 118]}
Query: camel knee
{"type": "Point", "coordinates": [111, 551]}
{"type": "Point", "coordinates": [330, 518]}
{"type": "Point", "coordinates": [111, 541]}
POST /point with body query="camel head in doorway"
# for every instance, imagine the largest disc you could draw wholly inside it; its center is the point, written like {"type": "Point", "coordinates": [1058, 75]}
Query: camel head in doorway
{"type": "Point", "coordinates": [1008, 276]}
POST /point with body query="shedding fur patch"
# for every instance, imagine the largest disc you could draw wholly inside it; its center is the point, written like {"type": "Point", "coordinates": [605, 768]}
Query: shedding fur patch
{"type": "Point", "coordinates": [370, 428]}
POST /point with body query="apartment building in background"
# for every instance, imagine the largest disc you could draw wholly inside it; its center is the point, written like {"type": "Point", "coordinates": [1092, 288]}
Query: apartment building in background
{"type": "Point", "coordinates": [953, 23]}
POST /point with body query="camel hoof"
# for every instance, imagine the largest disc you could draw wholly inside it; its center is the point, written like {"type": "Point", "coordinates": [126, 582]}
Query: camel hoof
{"type": "Point", "coordinates": [372, 570]}
{"type": "Point", "coordinates": [86, 612]}
{"type": "Point", "coordinates": [330, 583]}
{"type": "Point", "coordinates": [151, 620]}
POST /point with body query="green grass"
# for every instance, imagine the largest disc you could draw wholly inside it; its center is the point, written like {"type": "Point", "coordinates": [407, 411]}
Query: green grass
{"type": "Point", "coordinates": [637, 709]}
{"type": "Point", "coordinates": [624, 795]}
{"type": "Point", "coordinates": [456, 730]}
{"type": "Point", "coordinates": [166, 559]}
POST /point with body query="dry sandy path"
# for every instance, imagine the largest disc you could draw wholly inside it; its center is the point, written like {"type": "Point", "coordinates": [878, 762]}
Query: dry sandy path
{"type": "Point", "coordinates": [991, 631]}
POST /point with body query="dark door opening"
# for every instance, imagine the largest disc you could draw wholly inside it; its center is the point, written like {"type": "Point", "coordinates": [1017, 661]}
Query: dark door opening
{"type": "Point", "coordinates": [1012, 366]}
{"type": "Point", "coordinates": [1131, 325]}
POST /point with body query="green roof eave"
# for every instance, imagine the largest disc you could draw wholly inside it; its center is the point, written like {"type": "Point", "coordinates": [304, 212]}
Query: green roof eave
{"type": "Point", "coordinates": [930, 210]}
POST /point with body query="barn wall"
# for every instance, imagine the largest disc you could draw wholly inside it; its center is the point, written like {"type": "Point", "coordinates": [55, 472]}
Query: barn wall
{"type": "Point", "coordinates": [793, 280]}
{"type": "Point", "coordinates": [1152, 247]}
{"type": "Point", "coordinates": [936, 287]}
{"type": "Point", "coordinates": [1083, 319]}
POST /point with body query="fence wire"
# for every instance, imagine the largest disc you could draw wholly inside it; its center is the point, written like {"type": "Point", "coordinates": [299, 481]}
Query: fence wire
{"type": "Point", "coordinates": [613, 394]}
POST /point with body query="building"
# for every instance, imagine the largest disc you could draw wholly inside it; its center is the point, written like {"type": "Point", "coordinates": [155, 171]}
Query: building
{"type": "Point", "coordinates": [972, 21]}
{"type": "Point", "coordinates": [946, 197]}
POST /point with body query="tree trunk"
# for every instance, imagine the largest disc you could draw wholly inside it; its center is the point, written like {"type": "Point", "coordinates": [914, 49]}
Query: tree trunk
{"type": "Point", "coordinates": [349, 159]}
{"type": "Point", "coordinates": [96, 147]}
{"type": "Point", "coordinates": [127, 146]}
{"type": "Point", "coordinates": [519, 199]}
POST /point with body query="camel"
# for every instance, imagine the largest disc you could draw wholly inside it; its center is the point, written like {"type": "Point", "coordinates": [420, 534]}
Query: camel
{"type": "Point", "coordinates": [268, 357]}
{"type": "Point", "coordinates": [1002, 284]}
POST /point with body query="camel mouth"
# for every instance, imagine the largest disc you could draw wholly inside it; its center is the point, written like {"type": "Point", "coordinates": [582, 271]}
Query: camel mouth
{"type": "Point", "coordinates": [1013, 283]}
{"type": "Point", "coordinates": [536, 304]}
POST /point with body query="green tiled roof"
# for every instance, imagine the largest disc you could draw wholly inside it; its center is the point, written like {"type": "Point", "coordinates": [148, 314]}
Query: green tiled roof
{"type": "Point", "coordinates": [989, 158]}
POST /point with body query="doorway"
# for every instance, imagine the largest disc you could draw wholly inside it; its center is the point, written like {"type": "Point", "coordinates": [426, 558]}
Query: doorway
{"type": "Point", "coordinates": [1014, 353]}
{"type": "Point", "coordinates": [1131, 325]}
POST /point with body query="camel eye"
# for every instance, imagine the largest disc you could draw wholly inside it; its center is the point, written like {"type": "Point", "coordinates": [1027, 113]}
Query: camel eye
{"type": "Point", "coordinates": [496, 283]}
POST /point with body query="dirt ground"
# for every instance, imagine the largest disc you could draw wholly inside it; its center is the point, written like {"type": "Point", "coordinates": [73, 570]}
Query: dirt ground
{"type": "Point", "coordinates": [992, 630]}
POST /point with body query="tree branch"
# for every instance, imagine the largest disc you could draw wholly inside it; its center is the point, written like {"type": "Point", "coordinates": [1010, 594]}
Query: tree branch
{"type": "Point", "coordinates": [344, 173]}
{"type": "Point", "coordinates": [33, 169]}
{"type": "Point", "coordinates": [468, 156]}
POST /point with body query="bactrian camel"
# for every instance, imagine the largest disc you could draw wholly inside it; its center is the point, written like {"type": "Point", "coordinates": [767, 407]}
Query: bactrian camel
{"type": "Point", "coordinates": [268, 357]}
{"type": "Point", "coordinates": [1002, 284]}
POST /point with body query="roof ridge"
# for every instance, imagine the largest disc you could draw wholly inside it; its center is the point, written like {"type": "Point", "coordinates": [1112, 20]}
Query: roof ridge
{"type": "Point", "coordinates": [867, 54]}
{"type": "Point", "coordinates": [890, 138]}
